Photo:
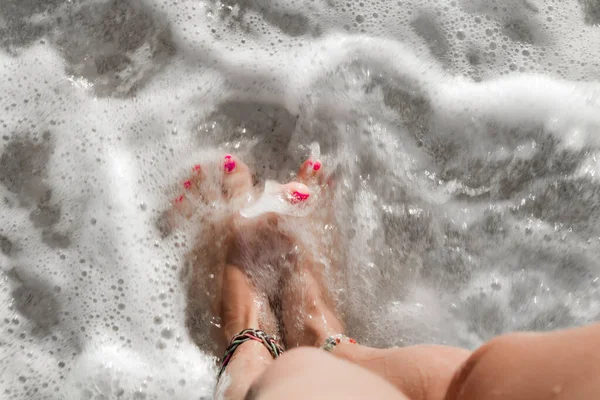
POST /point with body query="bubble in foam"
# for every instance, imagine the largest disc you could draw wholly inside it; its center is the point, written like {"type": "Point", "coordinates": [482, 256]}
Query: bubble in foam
{"type": "Point", "coordinates": [167, 333]}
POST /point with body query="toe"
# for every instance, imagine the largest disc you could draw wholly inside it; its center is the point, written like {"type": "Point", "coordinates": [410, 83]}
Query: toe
{"type": "Point", "coordinates": [193, 190]}
{"type": "Point", "coordinates": [180, 210]}
{"type": "Point", "coordinates": [192, 184]}
{"type": "Point", "coordinates": [310, 171]}
{"type": "Point", "coordinates": [237, 179]}
{"type": "Point", "coordinates": [207, 185]}
{"type": "Point", "coordinates": [296, 192]}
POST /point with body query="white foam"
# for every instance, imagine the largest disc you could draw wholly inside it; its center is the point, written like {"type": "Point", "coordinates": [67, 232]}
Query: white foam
{"type": "Point", "coordinates": [463, 141]}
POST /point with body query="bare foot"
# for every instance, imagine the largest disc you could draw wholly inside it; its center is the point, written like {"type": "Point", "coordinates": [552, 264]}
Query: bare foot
{"type": "Point", "coordinates": [309, 314]}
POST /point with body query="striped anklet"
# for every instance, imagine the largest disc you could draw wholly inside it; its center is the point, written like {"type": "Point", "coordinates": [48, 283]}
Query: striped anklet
{"type": "Point", "coordinates": [249, 334]}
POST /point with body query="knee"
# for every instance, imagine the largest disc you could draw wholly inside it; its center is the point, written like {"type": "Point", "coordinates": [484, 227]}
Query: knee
{"type": "Point", "coordinates": [308, 373]}
{"type": "Point", "coordinates": [488, 367]}
{"type": "Point", "coordinates": [292, 364]}
{"type": "Point", "coordinates": [292, 359]}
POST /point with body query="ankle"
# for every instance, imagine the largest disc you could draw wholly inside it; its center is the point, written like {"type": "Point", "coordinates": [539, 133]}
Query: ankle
{"type": "Point", "coordinates": [248, 362]}
{"type": "Point", "coordinates": [234, 322]}
{"type": "Point", "coordinates": [233, 327]}
{"type": "Point", "coordinates": [312, 328]}
{"type": "Point", "coordinates": [239, 306]}
{"type": "Point", "coordinates": [309, 320]}
{"type": "Point", "coordinates": [321, 323]}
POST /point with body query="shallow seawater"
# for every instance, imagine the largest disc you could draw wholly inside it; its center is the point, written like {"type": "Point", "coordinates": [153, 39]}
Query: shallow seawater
{"type": "Point", "coordinates": [464, 136]}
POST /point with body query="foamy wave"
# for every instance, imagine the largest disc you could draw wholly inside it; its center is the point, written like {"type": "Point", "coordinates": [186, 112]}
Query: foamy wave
{"type": "Point", "coordinates": [463, 135]}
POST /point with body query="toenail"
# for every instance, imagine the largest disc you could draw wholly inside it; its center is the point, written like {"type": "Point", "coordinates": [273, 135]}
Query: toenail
{"type": "Point", "coordinates": [317, 166]}
{"type": "Point", "coordinates": [187, 184]}
{"type": "Point", "coordinates": [297, 197]}
{"type": "Point", "coordinates": [229, 164]}
{"type": "Point", "coordinates": [179, 199]}
{"type": "Point", "coordinates": [196, 168]}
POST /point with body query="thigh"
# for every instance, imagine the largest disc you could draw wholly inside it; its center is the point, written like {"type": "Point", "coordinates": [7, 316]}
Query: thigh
{"type": "Point", "coordinates": [530, 366]}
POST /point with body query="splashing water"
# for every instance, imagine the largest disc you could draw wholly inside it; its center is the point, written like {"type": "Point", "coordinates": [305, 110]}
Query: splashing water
{"type": "Point", "coordinates": [464, 136]}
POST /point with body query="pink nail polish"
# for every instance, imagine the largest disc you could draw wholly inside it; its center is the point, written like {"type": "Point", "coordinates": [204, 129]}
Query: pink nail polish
{"type": "Point", "coordinates": [187, 184]}
{"type": "Point", "coordinates": [196, 168]}
{"type": "Point", "coordinates": [317, 166]}
{"type": "Point", "coordinates": [229, 164]}
{"type": "Point", "coordinates": [179, 199]}
{"type": "Point", "coordinates": [297, 197]}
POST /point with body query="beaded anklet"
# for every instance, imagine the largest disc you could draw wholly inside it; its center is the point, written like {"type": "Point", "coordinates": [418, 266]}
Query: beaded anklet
{"type": "Point", "coordinates": [334, 340]}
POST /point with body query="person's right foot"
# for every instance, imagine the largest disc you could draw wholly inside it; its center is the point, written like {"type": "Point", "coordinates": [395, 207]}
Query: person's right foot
{"type": "Point", "coordinates": [309, 315]}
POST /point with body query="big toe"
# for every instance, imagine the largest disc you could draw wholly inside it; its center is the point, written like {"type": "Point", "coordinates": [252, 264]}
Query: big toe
{"type": "Point", "coordinates": [237, 180]}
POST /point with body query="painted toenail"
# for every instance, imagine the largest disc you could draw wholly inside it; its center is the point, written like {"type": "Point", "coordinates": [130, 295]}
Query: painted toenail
{"type": "Point", "coordinates": [297, 197]}
{"type": "Point", "coordinates": [187, 184]}
{"type": "Point", "coordinates": [317, 166]}
{"type": "Point", "coordinates": [196, 168]}
{"type": "Point", "coordinates": [229, 164]}
{"type": "Point", "coordinates": [179, 199]}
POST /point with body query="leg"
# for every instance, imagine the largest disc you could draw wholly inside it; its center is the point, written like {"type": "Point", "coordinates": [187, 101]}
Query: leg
{"type": "Point", "coordinates": [235, 298]}
{"type": "Point", "coordinates": [306, 373]}
{"type": "Point", "coordinates": [422, 372]}
{"type": "Point", "coordinates": [238, 304]}
{"type": "Point", "coordinates": [241, 309]}
{"type": "Point", "coordinates": [563, 365]}
{"type": "Point", "coordinates": [309, 318]}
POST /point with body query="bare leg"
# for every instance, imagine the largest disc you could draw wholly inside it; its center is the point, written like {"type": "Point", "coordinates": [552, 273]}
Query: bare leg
{"type": "Point", "coordinates": [560, 365]}
{"type": "Point", "coordinates": [309, 318]}
{"type": "Point", "coordinates": [525, 366]}
{"type": "Point", "coordinates": [241, 309]}
{"type": "Point", "coordinates": [420, 372]}
{"type": "Point", "coordinates": [236, 301]}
